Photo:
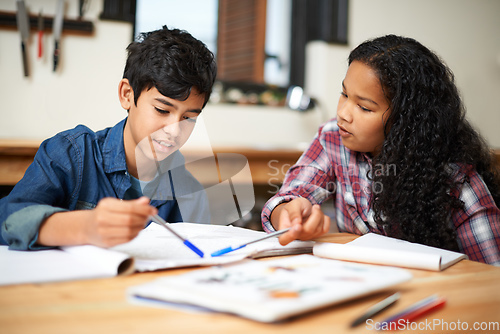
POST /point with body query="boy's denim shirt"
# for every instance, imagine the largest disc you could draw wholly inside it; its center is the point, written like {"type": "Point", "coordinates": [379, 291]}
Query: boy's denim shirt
{"type": "Point", "coordinates": [71, 171]}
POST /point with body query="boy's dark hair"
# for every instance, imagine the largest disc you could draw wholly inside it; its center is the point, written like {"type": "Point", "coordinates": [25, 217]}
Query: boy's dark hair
{"type": "Point", "coordinates": [426, 132]}
{"type": "Point", "coordinates": [172, 61]}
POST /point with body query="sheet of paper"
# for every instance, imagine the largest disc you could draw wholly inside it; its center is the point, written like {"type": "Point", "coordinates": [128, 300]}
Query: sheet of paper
{"type": "Point", "coordinates": [156, 248]}
{"type": "Point", "coordinates": [272, 290]}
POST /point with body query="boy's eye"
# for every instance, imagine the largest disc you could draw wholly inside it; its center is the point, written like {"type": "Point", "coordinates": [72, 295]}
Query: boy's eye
{"type": "Point", "coordinates": [190, 119]}
{"type": "Point", "coordinates": [161, 111]}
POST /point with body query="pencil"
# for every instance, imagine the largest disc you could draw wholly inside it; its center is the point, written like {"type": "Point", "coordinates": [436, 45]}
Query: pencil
{"type": "Point", "coordinates": [375, 309]}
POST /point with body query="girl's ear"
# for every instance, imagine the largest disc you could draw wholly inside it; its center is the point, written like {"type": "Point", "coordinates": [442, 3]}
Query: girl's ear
{"type": "Point", "coordinates": [125, 94]}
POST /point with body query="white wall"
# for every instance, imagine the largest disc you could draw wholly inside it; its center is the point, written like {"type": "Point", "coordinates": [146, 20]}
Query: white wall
{"type": "Point", "coordinates": [464, 32]}
{"type": "Point", "coordinates": [84, 90]}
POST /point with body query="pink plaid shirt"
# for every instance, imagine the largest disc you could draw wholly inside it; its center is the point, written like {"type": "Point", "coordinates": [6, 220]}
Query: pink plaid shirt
{"type": "Point", "coordinates": [328, 169]}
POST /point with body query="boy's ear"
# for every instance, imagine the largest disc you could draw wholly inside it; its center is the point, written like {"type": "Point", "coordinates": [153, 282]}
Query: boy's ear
{"type": "Point", "coordinates": [125, 94]}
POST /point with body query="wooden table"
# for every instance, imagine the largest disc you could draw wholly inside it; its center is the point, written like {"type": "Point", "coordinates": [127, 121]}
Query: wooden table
{"type": "Point", "coordinates": [100, 306]}
{"type": "Point", "coordinates": [15, 157]}
{"type": "Point", "coordinates": [265, 165]}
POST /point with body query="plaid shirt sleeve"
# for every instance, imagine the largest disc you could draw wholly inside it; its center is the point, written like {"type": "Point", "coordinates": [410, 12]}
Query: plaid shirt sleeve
{"type": "Point", "coordinates": [310, 177]}
{"type": "Point", "coordinates": [478, 225]}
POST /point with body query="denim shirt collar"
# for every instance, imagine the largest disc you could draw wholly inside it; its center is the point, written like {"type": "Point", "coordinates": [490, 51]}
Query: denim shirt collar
{"type": "Point", "coordinates": [114, 149]}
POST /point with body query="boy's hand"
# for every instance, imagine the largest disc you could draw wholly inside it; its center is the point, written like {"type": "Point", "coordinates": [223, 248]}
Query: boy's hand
{"type": "Point", "coordinates": [115, 221]}
{"type": "Point", "coordinates": [307, 221]}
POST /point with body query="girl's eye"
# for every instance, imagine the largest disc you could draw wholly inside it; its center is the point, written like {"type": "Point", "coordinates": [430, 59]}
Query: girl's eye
{"type": "Point", "coordinates": [343, 94]}
{"type": "Point", "coordinates": [364, 109]}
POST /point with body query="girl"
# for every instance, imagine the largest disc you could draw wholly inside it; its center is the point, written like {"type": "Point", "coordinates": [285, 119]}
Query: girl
{"type": "Point", "coordinates": [400, 159]}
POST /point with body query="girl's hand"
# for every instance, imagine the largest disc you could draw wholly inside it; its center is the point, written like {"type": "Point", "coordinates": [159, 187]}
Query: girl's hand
{"type": "Point", "coordinates": [306, 221]}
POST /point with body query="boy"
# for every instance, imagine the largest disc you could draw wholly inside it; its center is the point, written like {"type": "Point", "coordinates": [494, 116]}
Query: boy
{"type": "Point", "coordinates": [167, 81]}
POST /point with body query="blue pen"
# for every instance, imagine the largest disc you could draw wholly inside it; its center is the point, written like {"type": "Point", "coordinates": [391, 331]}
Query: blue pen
{"type": "Point", "coordinates": [158, 220]}
{"type": "Point", "coordinates": [230, 249]}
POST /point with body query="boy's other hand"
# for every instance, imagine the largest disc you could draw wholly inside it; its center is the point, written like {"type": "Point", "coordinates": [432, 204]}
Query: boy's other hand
{"type": "Point", "coordinates": [306, 221]}
{"type": "Point", "coordinates": [115, 221]}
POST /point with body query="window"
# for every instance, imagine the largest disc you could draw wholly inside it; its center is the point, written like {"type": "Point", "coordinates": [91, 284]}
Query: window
{"type": "Point", "coordinates": [199, 17]}
{"type": "Point", "coordinates": [252, 38]}
{"type": "Point", "coordinates": [255, 31]}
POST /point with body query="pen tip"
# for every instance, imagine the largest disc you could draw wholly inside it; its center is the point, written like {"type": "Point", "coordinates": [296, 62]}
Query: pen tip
{"type": "Point", "coordinates": [221, 252]}
{"type": "Point", "coordinates": [194, 248]}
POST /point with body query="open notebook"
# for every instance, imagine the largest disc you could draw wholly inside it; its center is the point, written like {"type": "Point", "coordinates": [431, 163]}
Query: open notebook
{"type": "Point", "coordinates": [378, 249]}
{"type": "Point", "coordinates": [154, 248]}
{"type": "Point", "coordinates": [269, 291]}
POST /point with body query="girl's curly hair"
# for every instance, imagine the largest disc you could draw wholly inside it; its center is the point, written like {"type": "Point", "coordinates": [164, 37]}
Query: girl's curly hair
{"type": "Point", "coordinates": [425, 134]}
